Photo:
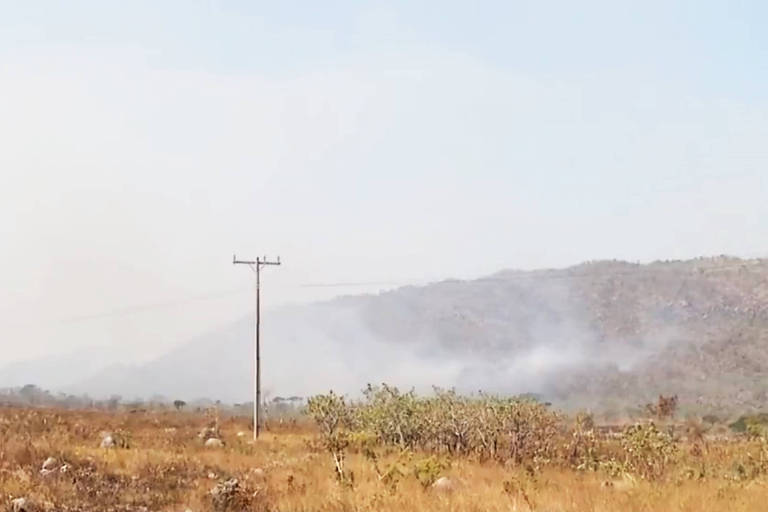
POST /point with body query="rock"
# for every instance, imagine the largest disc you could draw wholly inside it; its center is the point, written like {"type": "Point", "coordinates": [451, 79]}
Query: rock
{"type": "Point", "coordinates": [211, 476]}
{"type": "Point", "coordinates": [214, 443]}
{"type": "Point", "coordinates": [65, 468]}
{"type": "Point", "coordinates": [117, 439]}
{"type": "Point", "coordinates": [50, 467]}
{"type": "Point", "coordinates": [21, 505]}
{"type": "Point", "coordinates": [443, 484]}
{"type": "Point", "coordinates": [241, 434]}
{"type": "Point", "coordinates": [259, 473]}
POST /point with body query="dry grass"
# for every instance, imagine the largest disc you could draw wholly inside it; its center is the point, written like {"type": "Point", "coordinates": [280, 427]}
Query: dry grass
{"type": "Point", "coordinates": [167, 468]}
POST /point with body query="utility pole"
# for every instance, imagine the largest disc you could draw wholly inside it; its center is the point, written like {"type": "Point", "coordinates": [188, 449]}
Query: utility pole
{"type": "Point", "coordinates": [255, 266]}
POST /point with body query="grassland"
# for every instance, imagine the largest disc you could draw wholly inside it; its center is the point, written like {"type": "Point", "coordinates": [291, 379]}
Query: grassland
{"type": "Point", "coordinates": [166, 467]}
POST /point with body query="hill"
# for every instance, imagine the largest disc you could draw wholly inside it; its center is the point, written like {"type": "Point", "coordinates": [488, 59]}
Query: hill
{"type": "Point", "coordinates": [604, 334]}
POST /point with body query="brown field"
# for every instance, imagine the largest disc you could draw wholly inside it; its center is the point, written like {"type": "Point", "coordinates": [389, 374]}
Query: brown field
{"type": "Point", "coordinates": [166, 467]}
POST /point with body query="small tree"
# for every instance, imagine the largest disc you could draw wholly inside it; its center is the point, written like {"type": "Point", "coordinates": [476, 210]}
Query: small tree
{"type": "Point", "coordinates": [31, 393]}
{"type": "Point", "coordinates": [331, 413]}
{"type": "Point", "coordinates": [113, 402]}
{"type": "Point", "coordinates": [179, 404]}
{"type": "Point", "coordinates": [664, 408]}
{"type": "Point", "coordinates": [648, 451]}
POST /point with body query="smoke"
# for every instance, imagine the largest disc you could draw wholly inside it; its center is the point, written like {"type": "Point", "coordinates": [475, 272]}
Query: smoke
{"type": "Point", "coordinates": [503, 334]}
{"type": "Point", "coordinates": [505, 337]}
{"type": "Point", "coordinates": [331, 348]}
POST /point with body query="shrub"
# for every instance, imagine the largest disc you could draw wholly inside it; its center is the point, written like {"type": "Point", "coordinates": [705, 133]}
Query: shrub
{"type": "Point", "coordinates": [664, 408]}
{"type": "Point", "coordinates": [502, 429]}
{"type": "Point", "coordinates": [331, 414]}
{"type": "Point", "coordinates": [581, 450]}
{"type": "Point", "coordinates": [742, 425]}
{"type": "Point", "coordinates": [648, 451]}
{"type": "Point", "coordinates": [428, 470]}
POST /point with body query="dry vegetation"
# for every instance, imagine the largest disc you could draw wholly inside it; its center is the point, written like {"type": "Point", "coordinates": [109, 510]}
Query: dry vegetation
{"type": "Point", "coordinates": [394, 451]}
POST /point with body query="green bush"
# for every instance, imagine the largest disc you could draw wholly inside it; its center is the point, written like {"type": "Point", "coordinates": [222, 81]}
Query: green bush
{"type": "Point", "coordinates": [648, 450]}
{"type": "Point", "coordinates": [503, 429]}
{"type": "Point", "coordinates": [742, 425]}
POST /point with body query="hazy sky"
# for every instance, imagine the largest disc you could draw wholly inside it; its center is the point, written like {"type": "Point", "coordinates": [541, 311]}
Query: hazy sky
{"type": "Point", "coordinates": [142, 143]}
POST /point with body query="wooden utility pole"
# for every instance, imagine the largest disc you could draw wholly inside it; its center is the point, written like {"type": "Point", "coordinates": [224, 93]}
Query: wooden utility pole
{"type": "Point", "coordinates": [256, 267]}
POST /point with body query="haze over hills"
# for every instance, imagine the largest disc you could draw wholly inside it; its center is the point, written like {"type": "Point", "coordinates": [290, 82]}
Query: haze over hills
{"type": "Point", "coordinates": [604, 335]}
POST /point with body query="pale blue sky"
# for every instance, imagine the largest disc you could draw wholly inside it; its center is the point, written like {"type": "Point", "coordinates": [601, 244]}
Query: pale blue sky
{"type": "Point", "coordinates": [143, 142]}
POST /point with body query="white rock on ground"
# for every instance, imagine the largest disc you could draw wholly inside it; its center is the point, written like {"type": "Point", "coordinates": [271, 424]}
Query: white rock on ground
{"type": "Point", "coordinates": [50, 463]}
{"type": "Point", "coordinates": [214, 443]}
{"type": "Point", "coordinates": [443, 484]}
{"type": "Point", "coordinates": [259, 473]}
{"type": "Point", "coordinates": [108, 441]}
{"type": "Point", "coordinates": [20, 505]}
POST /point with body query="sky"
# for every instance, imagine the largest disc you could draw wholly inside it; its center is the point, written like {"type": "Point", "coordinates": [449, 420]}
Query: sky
{"type": "Point", "coordinates": [143, 143]}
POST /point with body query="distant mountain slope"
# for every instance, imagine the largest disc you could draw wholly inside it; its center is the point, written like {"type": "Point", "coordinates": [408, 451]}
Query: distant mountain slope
{"type": "Point", "coordinates": [603, 334]}
{"type": "Point", "coordinates": [207, 366]}
{"type": "Point", "coordinates": [600, 332]}
{"type": "Point", "coordinates": [55, 372]}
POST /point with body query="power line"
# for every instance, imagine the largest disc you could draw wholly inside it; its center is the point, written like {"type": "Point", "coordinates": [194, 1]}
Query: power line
{"type": "Point", "coordinates": [138, 308]}
{"type": "Point", "coordinates": [355, 284]}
